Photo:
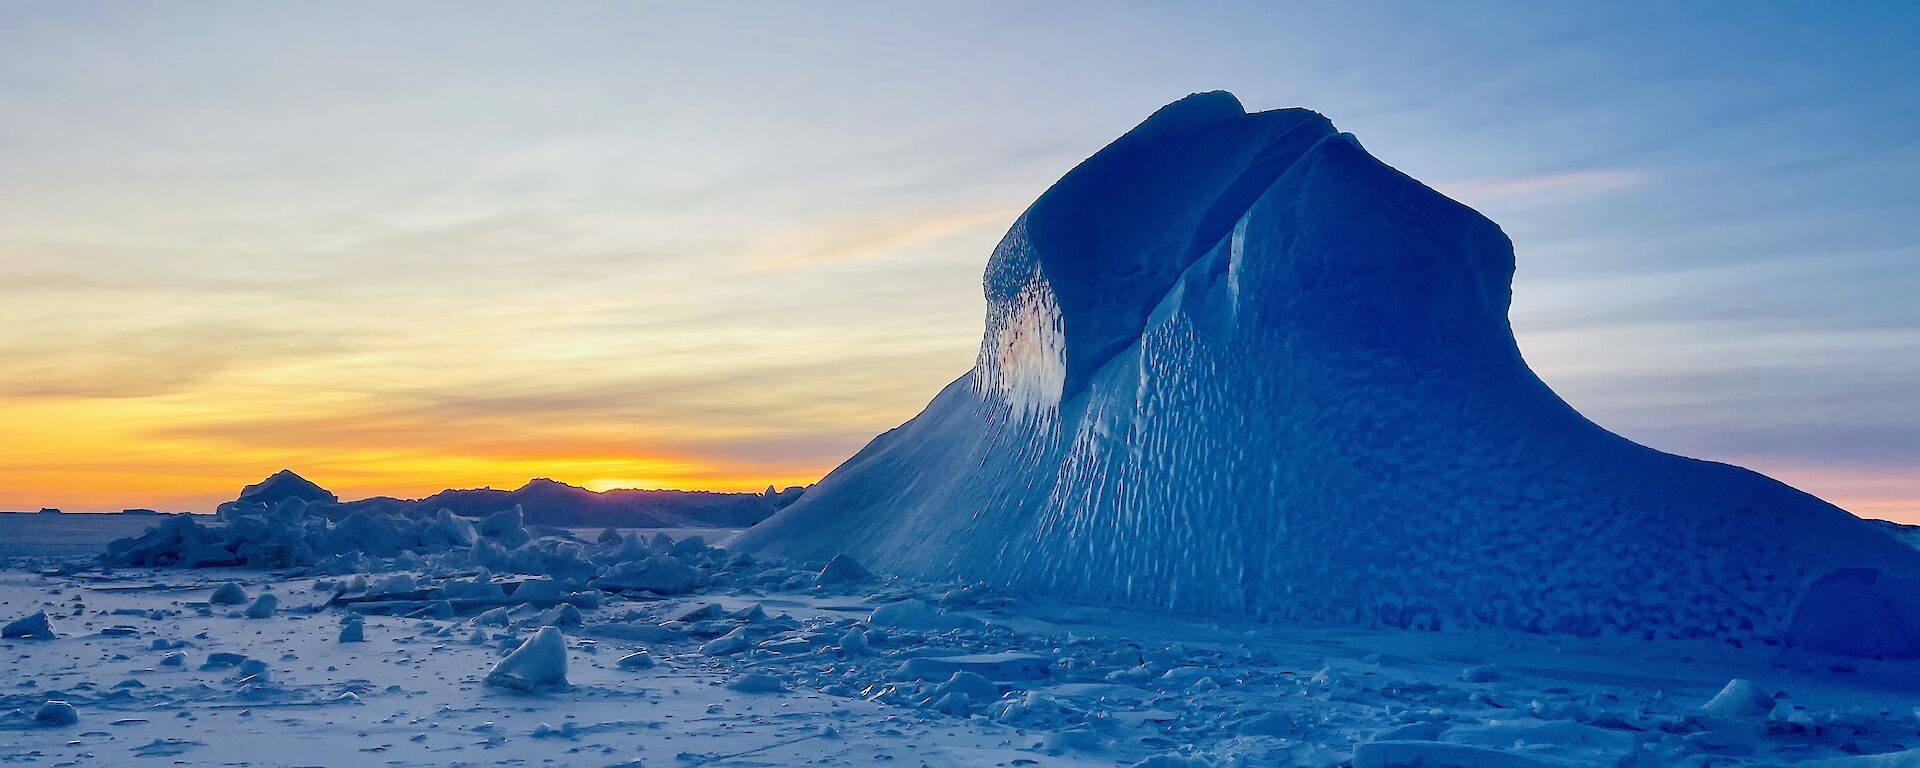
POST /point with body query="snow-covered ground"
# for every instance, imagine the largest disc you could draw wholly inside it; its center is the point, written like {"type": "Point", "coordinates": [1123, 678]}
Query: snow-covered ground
{"type": "Point", "coordinates": [770, 664]}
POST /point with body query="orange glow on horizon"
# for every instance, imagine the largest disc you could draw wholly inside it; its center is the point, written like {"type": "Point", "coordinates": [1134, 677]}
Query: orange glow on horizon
{"type": "Point", "coordinates": [96, 454]}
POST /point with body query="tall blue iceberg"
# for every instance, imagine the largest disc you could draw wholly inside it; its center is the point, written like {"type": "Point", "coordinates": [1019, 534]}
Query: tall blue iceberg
{"type": "Point", "coordinates": [1234, 364]}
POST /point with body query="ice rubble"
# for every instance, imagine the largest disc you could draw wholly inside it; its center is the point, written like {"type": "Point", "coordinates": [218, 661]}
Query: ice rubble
{"type": "Point", "coordinates": [1234, 364]}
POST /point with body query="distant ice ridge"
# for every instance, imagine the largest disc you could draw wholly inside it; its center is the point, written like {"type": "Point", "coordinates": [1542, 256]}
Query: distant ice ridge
{"type": "Point", "coordinates": [1235, 364]}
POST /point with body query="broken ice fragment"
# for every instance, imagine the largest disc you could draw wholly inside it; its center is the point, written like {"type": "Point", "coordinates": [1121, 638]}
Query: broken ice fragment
{"type": "Point", "coordinates": [56, 714]}
{"type": "Point", "coordinates": [757, 682]}
{"type": "Point", "coordinates": [539, 663]}
{"type": "Point", "coordinates": [263, 606]}
{"type": "Point", "coordinates": [35, 627]}
{"type": "Point", "coordinates": [1740, 698]}
{"type": "Point", "coordinates": [841, 570]}
{"type": "Point", "coordinates": [228, 594]}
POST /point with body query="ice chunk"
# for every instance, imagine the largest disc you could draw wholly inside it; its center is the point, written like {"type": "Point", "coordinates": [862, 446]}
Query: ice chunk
{"type": "Point", "coordinates": [757, 682]}
{"type": "Point", "coordinates": [1173, 761]}
{"type": "Point", "coordinates": [841, 570]}
{"type": "Point", "coordinates": [728, 644]}
{"type": "Point", "coordinates": [1434, 754]}
{"type": "Point", "coordinates": [35, 627]}
{"type": "Point", "coordinates": [1740, 698]}
{"type": "Point", "coordinates": [992, 666]}
{"type": "Point", "coordinates": [353, 631]}
{"type": "Point", "coordinates": [263, 606]}
{"type": "Point", "coordinates": [55, 713]}
{"type": "Point", "coordinates": [1904, 759]}
{"type": "Point", "coordinates": [919, 615]}
{"type": "Point", "coordinates": [229, 593]}
{"type": "Point", "coordinates": [654, 574]}
{"type": "Point", "coordinates": [1484, 673]}
{"type": "Point", "coordinates": [540, 663]}
{"type": "Point", "coordinates": [637, 660]}
{"type": "Point", "coordinates": [854, 642]}
{"type": "Point", "coordinates": [953, 703]}
{"type": "Point", "coordinates": [975, 686]}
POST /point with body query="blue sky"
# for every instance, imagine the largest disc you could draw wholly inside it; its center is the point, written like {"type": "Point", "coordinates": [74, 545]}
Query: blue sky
{"type": "Point", "coordinates": [404, 246]}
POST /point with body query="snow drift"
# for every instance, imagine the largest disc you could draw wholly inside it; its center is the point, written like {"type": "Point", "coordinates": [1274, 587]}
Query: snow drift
{"type": "Point", "coordinates": [1233, 363]}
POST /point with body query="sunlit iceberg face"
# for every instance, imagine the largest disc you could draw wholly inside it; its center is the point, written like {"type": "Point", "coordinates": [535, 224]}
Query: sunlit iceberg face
{"type": "Point", "coordinates": [1023, 355]}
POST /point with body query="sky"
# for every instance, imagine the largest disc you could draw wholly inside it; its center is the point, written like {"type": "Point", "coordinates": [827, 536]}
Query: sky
{"type": "Point", "coordinates": [405, 247]}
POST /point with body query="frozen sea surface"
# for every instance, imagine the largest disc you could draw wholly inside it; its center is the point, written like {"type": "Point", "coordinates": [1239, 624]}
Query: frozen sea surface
{"type": "Point", "coordinates": [757, 668]}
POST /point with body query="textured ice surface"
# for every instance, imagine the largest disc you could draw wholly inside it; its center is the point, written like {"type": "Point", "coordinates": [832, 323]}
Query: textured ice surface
{"type": "Point", "coordinates": [1234, 364]}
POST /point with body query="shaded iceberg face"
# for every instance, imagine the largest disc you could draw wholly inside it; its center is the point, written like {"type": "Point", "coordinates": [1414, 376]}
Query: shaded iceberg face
{"type": "Point", "coordinates": [1233, 363]}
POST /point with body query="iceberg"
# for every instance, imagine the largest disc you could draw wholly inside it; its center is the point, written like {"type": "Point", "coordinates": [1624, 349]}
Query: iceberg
{"type": "Point", "coordinates": [1234, 364]}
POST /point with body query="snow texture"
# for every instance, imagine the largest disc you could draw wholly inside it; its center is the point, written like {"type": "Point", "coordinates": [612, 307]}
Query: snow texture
{"type": "Point", "coordinates": [1233, 364]}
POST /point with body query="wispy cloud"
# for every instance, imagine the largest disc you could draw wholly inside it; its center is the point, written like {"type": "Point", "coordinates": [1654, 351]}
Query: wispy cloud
{"type": "Point", "coordinates": [1557, 186]}
{"type": "Point", "coordinates": [869, 239]}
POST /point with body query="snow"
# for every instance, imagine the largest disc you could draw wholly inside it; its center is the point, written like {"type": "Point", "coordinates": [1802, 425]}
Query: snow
{"type": "Point", "coordinates": [1235, 365]}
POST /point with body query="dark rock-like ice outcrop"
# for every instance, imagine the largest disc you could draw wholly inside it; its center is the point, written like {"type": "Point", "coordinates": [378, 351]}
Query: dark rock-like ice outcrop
{"type": "Point", "coordinates": [1235, 364]}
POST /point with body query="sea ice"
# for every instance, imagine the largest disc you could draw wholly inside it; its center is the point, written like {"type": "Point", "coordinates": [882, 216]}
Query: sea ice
{"type": "Point", "coordinates": [539, 663]}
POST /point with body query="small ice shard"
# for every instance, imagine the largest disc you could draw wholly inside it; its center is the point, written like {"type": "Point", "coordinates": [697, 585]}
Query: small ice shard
{"type": "Point", "coordinates": [348, 697]}
{"type": "Point", "coordinates": [841, 570]}
{"type": "Point", "coordinates": [174, 659]}
{"type": "Point", "coordinates": [35, 627]}
{"type": "Point", "coordinates": [727, 644]}
{"type": "Point", "coordinates": [496, 616]}
{"type": "Point", "coordinates": [56, 714]}
{"type": "Point", "coordinates": [757, 682]}
{"type": "Point", "coordinates": [1483, 673]}
{"type": "Point", "coordinates": [228, 594]}
{"type": "Point", "coordinates": [263, 606]}
{"type": "Point", "coordinates": [357, 584]}
{"type": "Point", "coordinates": [637, 660]}
{"type": "Point", "coordinates": [353, 632]}
{"type": "Point", "coordinates": [539, 663]}
{"type": "Point", "coordinates": [1740, 698]}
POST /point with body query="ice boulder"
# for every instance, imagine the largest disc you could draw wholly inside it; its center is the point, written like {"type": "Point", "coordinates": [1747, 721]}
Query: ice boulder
{"type": "Point", "coordinates": [1234, 364]}
{"type": "Point", "coordinates": [841, 570]}
{"type": "Point", "coordinates": [540, 663]}
{"type": "Point", "coordinates": [35, 627]}
{"type": "Point", "coordinates": [56, 714]}
{"type": "Point", "coordinates": [263, 606]}
{"type": "Point", "coordinates": [228, 594]}
{"type": "Point", "coordinates": [1740, 698]}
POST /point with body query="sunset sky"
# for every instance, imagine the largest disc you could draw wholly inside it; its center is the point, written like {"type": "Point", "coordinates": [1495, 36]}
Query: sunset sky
{"type": "Point", "coordinates": [404, 247]}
